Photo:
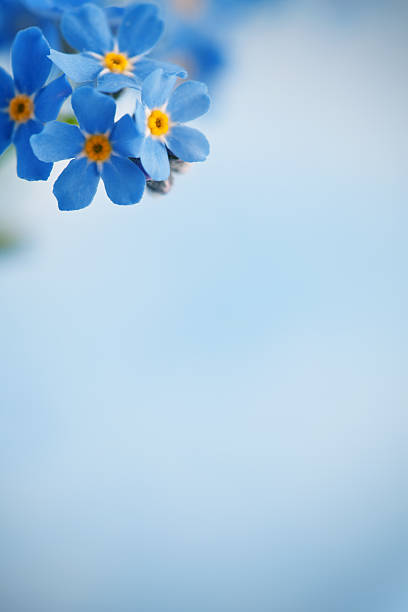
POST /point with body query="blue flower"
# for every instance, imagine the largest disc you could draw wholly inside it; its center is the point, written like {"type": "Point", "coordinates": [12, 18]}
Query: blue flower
{"type": "Point", "coordinates": [25, 103]}
{"type": "Point", "coordinates": [49, 6]}
{"type": "Point", "coordinates": [196, 46]}
{"type": "Point", "coordinates": [99, 147]}
{"type": "Point", "coordinates": [15, 16]}
{"type": "Point", "coordinates": [158, 118]}
{"type": "Point", "coordinates": [115, 62]}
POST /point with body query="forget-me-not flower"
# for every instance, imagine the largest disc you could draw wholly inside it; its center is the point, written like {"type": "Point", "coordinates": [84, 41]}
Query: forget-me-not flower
{"type": "Point", "coordinates": [159, 117]}
{"type": "Point", "coordinates": [116, 62]}
{"type": "Point", "coordinates": [100, 148]}
{"type": "Point", "coordinates": [26, 104]}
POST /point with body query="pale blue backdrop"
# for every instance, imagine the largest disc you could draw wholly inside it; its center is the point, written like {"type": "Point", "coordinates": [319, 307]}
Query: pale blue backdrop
{"type": "Point", "coordinates": [203, 398]}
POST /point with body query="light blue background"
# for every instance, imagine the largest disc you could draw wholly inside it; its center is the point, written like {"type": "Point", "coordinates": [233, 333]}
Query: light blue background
{"type": "Point", "coordinates": [204, 398]}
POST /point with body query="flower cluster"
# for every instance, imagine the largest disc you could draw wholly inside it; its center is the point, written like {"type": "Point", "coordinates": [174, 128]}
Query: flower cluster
{"type": "Point", "coordinates": [109, 51]}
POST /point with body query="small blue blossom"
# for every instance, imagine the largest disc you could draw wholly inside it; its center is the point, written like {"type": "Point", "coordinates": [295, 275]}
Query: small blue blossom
{"type": "Point", "coordinates": [99, 147]}
{"type": "Point", "coordinates": [116, 62]}
{"type": "Point", "coordinates": [159, 117]}
{"type": "Point", "coordinates": [26, 103]}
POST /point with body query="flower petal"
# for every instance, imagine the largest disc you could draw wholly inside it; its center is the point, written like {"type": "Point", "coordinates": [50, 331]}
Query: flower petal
{"type": "Point", "coordinates": [76, 186]}
{"type": "Point", "coordinates": [189, 101]}
{"type": "Point", "coordinates": [78, 67]}
{"type": "Point", "coordinates": [95, 111]}
{"type": "Point", "coordinates": [86, 29]}
{"type": "Point", "coordinates": [156, 88]}
{"type": "Point", "coordinates": [29, 56]}
{"type": "Point", "coordinates": [125, 138]}
{"type": "Point", "coordinates": [57, 141]}
{"type": "Point", "coordinates": [155, 160]}
{"type": "Point", "coordinates": [140, 29]}
{"type": "Point", "coordinates": [50, 98]}
{"type": "Point", "coordinates": [112, 82]}
{"type": "Point", "coordinates": [188, 144]}
{"type": "Point", "coordinates": [124, 181]}
{"type": "Point", "coordinates": [140, 118]}
{"type": "Point", "coordinates": [6, 131]}
{"type": "Point", "coordinates": [146, 66]}
{"type": "Point", "coordinates": [6, 88]}
{"type": "Point", "coordinates": [29, 167]}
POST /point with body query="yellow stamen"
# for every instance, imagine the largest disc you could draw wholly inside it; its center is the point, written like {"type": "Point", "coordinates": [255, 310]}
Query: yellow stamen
{"type": "Point", "coordinates": [158, 123]}
{"type": "Point", "coordinates": [21, 108]}
{"type": "Point", "coordinates": [98, 148]}
{"type": "Point", "coordinates": [116, 62]}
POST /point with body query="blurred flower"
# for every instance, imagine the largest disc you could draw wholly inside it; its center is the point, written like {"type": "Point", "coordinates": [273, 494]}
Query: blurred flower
{"type": "Point", "coordinates": [100, 149]}
{"type": "Point", "coordinates": [26, 103]}
{"type": "Point", "coordinates": [15, 16]}
{"type": "Point", "coordinates": [158, 119]}
{"type": "Point", "coordinates": [196, 47]}
{"type": "Point", "coordinates": [192, 38]}
{"type": "Point", "coordinates": [49, 6]}
{"type": "Point", "coordinates": [114, 63]}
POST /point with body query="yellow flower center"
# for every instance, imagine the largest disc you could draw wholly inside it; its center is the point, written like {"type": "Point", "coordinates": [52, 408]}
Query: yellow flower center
{"type": "Point", "coordinates": [116, 62]}
{"type": "Point", "coordinates": [98, 148]}
{"type": "Point", "coordinates": [158, 123]}
{"type": "Point", "coordinates": [21, 108]}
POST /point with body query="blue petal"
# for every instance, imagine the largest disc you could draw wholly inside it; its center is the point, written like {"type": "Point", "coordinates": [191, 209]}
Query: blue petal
{"type": "Point", "coordinates": [156, 88]}
{"type": "Point", "coordinates": [50, 98]}
{"type": "Point", "coordinates": [76, 186]}
{"type": "Point", "coordinates": [155, 160]}
{"type": "Point", "coordinates": [31, 65]}
{"type": "Point", "coordinates": [57, 141]}
{"type": "Point", "coordinates": [28, 166]}
{"type": "Point", "coordinates": [86, 29]}
{"type": "Point", "coordinates": [146, 66]}
{"type": "Point", "coordinates": [6, 130]}
{"type": "Point", "coordinates": [125, 138]}
{"type": "Point", "coordinates": [188, 144]}
{"type": "Point", "coordinates": [95, 111]}
{"type": "Point", "coordinates": [112, 82]}
{"type": "Point", "coordinates": [78, 67]}
{"type": "Point", "coordinates": [124, 181]}
{"type": "Point", "coordinates": [6, 88]}
{"type": "Point", "coordinates": [189, 101]}
{"type": "Point", "coordinates": [115, 15]}
{"type": "Point", "coordinates": [140, 118]}
{"type": "Point", "coordinates": [140, 29]}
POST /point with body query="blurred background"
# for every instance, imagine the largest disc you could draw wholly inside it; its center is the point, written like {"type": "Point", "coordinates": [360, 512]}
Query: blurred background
{"type": "Point", "coordinates": [203, 397]}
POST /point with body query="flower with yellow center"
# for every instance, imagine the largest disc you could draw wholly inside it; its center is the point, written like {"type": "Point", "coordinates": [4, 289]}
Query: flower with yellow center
{"type": "Point", "coordinates": [158, 123]}
{"type": "Point", "coordinates": [115, 59]}
{"type": "Point", "coordinates": [21, 108]}
{"type": "Point", "coordinates": [116, 62]}
{"type": "Point", "coordinates": [98, 148]}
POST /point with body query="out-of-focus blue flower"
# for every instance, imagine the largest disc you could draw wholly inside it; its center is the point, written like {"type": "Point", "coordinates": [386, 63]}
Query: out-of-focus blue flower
{"type": "Point", "coordinates": [47, 7]}
{"type": "Point", "coordinates": [12, 14]}
{"type": "Point", "coordinates": [26, 103]}
{"type": "Point", "coordinates": [159, 117]}
{"type": "Point", "coordinates": [195, 46]}
{"type": "Point", "coordinates": [99, 147]}
{"type": "Point", "coordinates": [192, 38]}
{"type": "Point", "coordinates": [115, 63]}
{"type": "Point", "coordinates": [15, 16]}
